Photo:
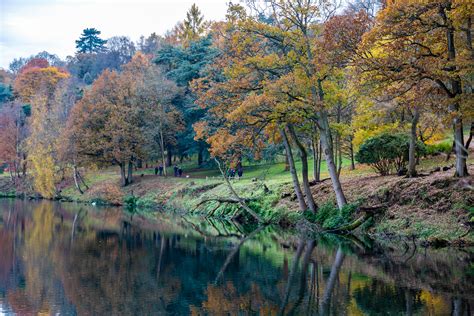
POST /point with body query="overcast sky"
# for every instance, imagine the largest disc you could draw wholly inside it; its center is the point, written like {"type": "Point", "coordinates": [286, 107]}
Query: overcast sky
{"type": "Point", "coordinates": [30, 26]}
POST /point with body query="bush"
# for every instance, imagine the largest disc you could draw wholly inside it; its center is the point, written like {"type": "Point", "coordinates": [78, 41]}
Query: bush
{"type": "Point", "coordinates": [440, 148]}
{"type": "Point", "coordinates": [331, 217]}
{"type": "Point", "coordinates": [387, 152]}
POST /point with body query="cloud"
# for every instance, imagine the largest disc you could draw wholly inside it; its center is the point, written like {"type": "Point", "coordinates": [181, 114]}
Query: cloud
{"type": "Point", "coordinates": [28, 27]}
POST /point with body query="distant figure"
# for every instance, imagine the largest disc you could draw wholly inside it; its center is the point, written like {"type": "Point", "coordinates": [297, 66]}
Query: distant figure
{"type": "Point", "coordinates": [180, 172]}
{"type": "Point", "coordinates": [156, 171]}
{"type": "Point", "coordinates": [232, 172]}
{"type": "Point", "coordinates": [240, 171]}
{"type": "Point", "coordinates": [175, 168]}
{"type": "Point", "coordinates": [160, 169]}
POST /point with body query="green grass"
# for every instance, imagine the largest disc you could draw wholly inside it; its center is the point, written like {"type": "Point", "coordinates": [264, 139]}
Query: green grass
{"type": "Point", "coordinates": [269, 172]}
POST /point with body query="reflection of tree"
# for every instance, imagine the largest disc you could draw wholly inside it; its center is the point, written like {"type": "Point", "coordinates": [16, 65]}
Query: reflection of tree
{"type": "Point", "coordinates": [377, 298]}
{"type": "Point", "coordinates": [331, 282]}
{"type": "Point", "coordinates": [116, 276]}
{"type": "Point", "coordinates": [36, 252]}
{"type": "Point", "coordinates": [6, 256]}
{"type": "Point", "coordinates": [227, 300]}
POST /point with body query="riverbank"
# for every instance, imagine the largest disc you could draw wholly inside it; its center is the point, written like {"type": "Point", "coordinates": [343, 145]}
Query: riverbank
{"type": "Point", "coordinates": [435, 209]}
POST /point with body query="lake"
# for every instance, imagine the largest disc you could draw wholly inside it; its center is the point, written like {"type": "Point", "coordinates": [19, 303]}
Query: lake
{"type": "Point", "coordinates": [70, 259]}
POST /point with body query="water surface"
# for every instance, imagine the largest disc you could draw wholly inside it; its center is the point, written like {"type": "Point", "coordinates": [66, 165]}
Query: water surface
{"type": "Point", "coordinates": [68, 259]}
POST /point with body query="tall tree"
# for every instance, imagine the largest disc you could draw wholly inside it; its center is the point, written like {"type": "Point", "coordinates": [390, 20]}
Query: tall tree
{"type": "Point", "coordinates": [109, 125]}
{"type": "Point", "coordinates": [193, 27]}
{"type": "Point", "coordinates": [417, 44]}
{"type": "Point", "coordinates": [89, 42]}
{"type": "Point", "coordinates": [182, 65]}
{"type": "Point", "coordinates": [37, 84]}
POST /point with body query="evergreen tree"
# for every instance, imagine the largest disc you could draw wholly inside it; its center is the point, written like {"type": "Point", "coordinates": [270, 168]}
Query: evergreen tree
{"type": "Point", "coordinates": [193, 27]}
{"type": "Point", "coordinates": [90, 42]}
{"type": "Point", "coordinates": [183, 65]}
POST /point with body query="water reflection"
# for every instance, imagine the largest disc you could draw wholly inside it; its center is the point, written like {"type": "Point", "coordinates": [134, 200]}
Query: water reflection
{"type": "Point", "coordinates": [73, 260]}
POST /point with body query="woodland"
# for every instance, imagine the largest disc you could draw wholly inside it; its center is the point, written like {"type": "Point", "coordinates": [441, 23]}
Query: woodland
{"type": "Point", "coordinates": [323, 89]}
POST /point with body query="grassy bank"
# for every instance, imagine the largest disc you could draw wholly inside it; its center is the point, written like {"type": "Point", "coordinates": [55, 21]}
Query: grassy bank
{"type": "Point", "coordinates": [435, 207]}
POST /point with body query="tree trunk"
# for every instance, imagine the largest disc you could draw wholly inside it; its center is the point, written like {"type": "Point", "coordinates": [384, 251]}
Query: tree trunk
{"type": "Point", "coordinates": [123, 178]}
{"type": "Point", "coordinates": [316, 159]}
{"type": "Point", "coordinates": [338, 147]}
{"type": "Point", "coordinates": [460, 150]}
{"type": "Point", "coordinates": [200, 155]}
{"type": "Point", "coordinates": [294, 174]}
{"type": "Point", "coordinates": [304, 170]}
{"type": "Point", "coordinates": [130, 172]}
{"type": "Point", "coordinates": [287, 164]}
{"type": "Point", "coordinates": [169, 156]}
{"type": "Point", "coordinates": [25, 164]}
{"type": "Point", "coordinates": [82, 180]}
{"type": "Point", "coordinates": [78, 187]}
{"type": "Point", "coordinates": [413, 139]}
{"type": "Point", "coordinates": [339, 155]}
{"type": "Point", "coordinates": [351, 152]}
{"type": "Point", "coordinates": [471, 132]}
{"type": "Point", "coordinates": [325, 134]}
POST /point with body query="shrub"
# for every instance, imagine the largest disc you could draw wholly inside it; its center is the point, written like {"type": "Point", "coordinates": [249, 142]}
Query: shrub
{"type": "Point", "coordinates": [331, 217]}
{"type": "Point", "coordinates": [436, 149]}
{"type": "Point", "coordinates": [387, 152]}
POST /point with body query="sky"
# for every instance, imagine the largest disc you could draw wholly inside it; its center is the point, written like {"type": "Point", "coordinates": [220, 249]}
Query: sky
{"type": "Point", "coordinates": [31, 26]}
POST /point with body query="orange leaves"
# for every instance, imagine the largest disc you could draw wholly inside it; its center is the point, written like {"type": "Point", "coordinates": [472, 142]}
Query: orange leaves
{"type": "Point", "coordinates": [34, 80]}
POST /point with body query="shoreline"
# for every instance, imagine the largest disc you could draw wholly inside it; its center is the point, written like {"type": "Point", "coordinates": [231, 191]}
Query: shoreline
{"type": "Point", "coordinates": [433, 209]}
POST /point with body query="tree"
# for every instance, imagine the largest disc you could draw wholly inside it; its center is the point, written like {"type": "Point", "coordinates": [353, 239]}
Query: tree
{"type": "Point", "coordinates": [166, 123]}
{"type": "Point", "coordinates": [415, 45]}
{"type": "Point", "coordinates": [283, 60]}
{"type": "Point", "coordinates": [183, 65]}
{"type": "Point", "coordinates": [13, 132]}
{"type": "Point", "coordinates": [151, 44]}
{"type": "Point", "coordinates": [108, 126]}
{"type": "Point", "coordinates": [6, 93]}
{"type": "Point", "coordinates": [122, 48]}
{"type": "Point", "coordinates": [193, 26]}
{"type": "Point", "coordinates": [19, 63]}
{"type": "Point", "coordinates": [37, 84]}
{"type": "Point", "coordinates": [8, 141]}
{"type": "Point", "coordinates": [90, 42]}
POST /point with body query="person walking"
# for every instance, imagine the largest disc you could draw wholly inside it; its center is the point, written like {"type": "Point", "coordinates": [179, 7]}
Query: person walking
{"type": "Point", "coordinates": [240, 171]}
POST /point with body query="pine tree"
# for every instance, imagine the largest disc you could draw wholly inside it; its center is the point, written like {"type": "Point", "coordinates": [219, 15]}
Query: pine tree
{"type": "Point", "coordinates": [193, 27]}
{"type": "Point", "coordinates": [90, 42]}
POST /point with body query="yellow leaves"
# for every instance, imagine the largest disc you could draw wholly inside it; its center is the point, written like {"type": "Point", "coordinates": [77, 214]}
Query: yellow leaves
{"type": "Point", "coordinates": [221, 142]}
{"type": "Point", "coordinates": [38, 80]}
{"type": "Point", "coordinates": [201, 129]}
{"type": "Point", "coordinates": [44, 171]}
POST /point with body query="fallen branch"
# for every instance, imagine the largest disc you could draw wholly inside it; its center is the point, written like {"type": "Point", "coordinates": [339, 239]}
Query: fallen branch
{"type": "Point", "coordinates": [241, 201]}
{"type": "Point", "coordinates": [351, 226]}
{"type": "Point", "coordinates": [369, 211]}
